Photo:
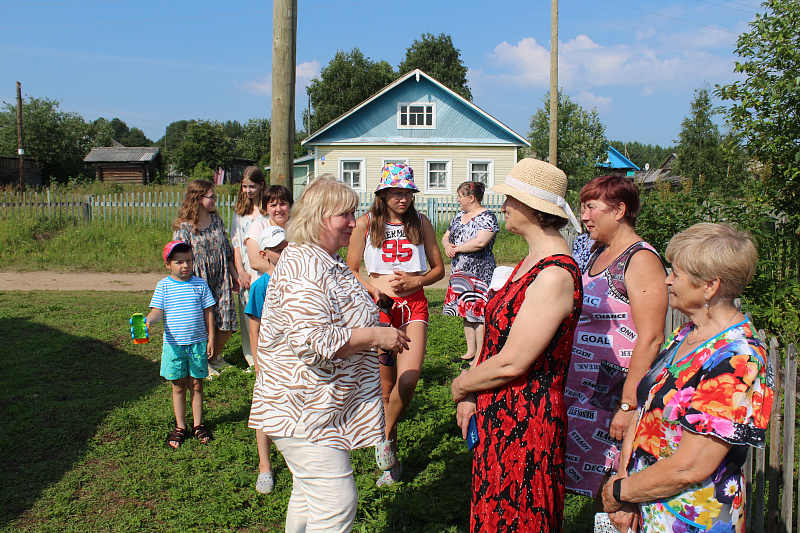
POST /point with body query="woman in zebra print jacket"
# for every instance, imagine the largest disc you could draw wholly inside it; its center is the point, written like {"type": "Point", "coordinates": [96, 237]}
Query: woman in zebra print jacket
{"type": "Point", "coordinates": [318, 346]}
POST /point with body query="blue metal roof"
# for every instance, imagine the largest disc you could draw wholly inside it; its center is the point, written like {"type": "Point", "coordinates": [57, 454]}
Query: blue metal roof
{"type": "Point", "coordinates": [458, 121]}
{"type": "Point", "coordinates": [617, 160]}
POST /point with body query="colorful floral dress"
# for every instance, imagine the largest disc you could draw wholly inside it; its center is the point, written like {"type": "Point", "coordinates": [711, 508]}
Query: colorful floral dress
{"type": "Point", "coordinates": [604, 341]}
{"type": "Point", "coordinates": [518, 466]}
{"type": "Point", "coordinates": [724, 388]}
{"type": "Point", "coordinates": [470, 272]}
{"type": "Point", "coordinates": [212, 253]}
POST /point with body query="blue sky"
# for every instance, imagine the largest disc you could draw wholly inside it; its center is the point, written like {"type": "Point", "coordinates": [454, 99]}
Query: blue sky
{"type": "Point", "coordinates": [151, 63]}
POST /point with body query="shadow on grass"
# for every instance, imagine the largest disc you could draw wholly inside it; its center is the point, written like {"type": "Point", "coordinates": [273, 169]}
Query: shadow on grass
{"type": "Point", "coordinates": [55, 390]}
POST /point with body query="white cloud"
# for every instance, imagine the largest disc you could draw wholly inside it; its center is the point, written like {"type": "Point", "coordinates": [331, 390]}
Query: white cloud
{"type": "Point", "coordinates": [304, 73]}
{"type": "Point", "coordinates": [589, 100]}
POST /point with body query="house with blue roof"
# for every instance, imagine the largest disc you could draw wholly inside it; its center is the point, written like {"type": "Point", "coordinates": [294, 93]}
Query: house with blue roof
{"type": "Point", "coordinates": [618, 163]}
{"type": "Point", "coordinates": [415, 120]}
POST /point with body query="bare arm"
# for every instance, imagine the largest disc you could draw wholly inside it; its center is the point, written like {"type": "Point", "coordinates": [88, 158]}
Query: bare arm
{"type": "Point", "coordinates": [256, 262]}
{"type": "Point", "coordinates": [649, 299]}
{"type": "Point", "coordinates": [481, 241]}
{"type": "Point", "coordinates": [154, 316]}
{"type": "Point", "coordinates": [696, 458]}
{"type": "Point", "coordinates": [253, 325]}
{"type": "Point", "coordinates": [208, 315]}
{"type": "Point", "coordinates": [355, 254]}
{"type": "Point", "coordinates": [447, 245]}
{"type": "Point", "coordinates": [548, 301]}
{"type": "Point", "coordinates": [244, 277]}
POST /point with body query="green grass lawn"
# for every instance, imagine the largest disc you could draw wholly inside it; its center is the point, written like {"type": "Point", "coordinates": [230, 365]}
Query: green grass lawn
{"type": "Point", "coordinates": [84, 413]}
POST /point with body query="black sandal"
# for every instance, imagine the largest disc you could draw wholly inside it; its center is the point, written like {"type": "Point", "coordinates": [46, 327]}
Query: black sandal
{"type": "Point", "coordinates": [176, 437]}
{"type": "Point", "coordinates": [202, 433]}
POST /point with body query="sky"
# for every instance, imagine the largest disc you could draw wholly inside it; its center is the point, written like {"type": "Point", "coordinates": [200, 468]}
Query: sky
{"type": "Point", "coordinates": [638, 62]}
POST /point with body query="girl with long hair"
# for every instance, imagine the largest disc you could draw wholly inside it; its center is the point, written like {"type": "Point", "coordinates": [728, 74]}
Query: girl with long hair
{"type": "Point", "coordinates": [398, 247]}
{"type": "Point", "coordinates": [250, 208]}
{"type": "Point", "coordinates": [199, 224]}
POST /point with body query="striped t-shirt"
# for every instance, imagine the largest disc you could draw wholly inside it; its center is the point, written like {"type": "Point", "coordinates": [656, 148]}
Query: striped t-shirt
{"type": "Point", "coordinates": [183, 303]}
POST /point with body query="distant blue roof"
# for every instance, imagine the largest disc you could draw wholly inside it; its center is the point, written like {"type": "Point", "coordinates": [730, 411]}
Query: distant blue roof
{"type": "Point", "coordinates": [458, 121]}
{"type": "Point", "coordinates": [617, 160]}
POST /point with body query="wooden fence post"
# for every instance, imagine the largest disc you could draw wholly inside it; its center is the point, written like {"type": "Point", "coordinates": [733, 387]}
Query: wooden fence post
{"type": "Point", "coordinates": [774, 441]}
{"type": "Point", "coordinates": [790, 405]}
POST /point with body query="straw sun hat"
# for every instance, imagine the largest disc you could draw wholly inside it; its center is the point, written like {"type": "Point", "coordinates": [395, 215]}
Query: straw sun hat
{"type": "Point", "coordinates": [539, 185]}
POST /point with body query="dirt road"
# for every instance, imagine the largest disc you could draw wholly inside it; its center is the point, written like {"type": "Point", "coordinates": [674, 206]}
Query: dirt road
{"type": "Point", "coordinates": [100, 281]}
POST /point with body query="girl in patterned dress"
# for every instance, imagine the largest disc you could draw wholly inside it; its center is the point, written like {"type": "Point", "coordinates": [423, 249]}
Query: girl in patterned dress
{"type": "Point", "coordinates": [199, 225]}
{"type": "Point", "coordinates": [468, 242]}
{"type": "Point", "coordinates": [516, 388]}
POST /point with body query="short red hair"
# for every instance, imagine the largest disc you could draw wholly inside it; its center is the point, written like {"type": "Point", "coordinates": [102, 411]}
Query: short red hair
{"type": "Point", "coordinates": [614, 190]}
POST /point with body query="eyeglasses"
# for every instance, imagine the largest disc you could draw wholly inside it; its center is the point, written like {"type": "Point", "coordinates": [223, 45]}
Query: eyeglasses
{"type": "Point", "coordinates": [386, 358]}
{"type": "Point", "coordinates": [401, 194]}
{"type": "Point", "coordinates": [211, 197]}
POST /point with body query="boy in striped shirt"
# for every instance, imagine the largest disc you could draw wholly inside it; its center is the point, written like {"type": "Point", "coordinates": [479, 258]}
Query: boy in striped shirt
{"type": "Point", "coordinates": [185, 303]}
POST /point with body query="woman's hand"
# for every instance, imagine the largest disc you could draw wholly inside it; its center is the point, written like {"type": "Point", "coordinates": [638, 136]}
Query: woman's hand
{"type": "Point", "coordinates": [610, 504]}
{"type": "Point", "coordinates": [404, 282]}
{"type": "Point", "coordinates": [450, 250]}
{"type": "Point", "coordinates": [626, 519]}
{"type": "Point", "coordinates": [620, 422]}
{"type": "Point", "coordinates": [464, 411]}
{"type": "Point", "coordinates": [391, 339]}
{"type": "Point", "coordinates": [459, 393]}
{"type": "Point", "coordinates": [244, 279]}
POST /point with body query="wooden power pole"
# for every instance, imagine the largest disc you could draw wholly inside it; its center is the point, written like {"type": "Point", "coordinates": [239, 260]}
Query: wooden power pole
{"type": "Point", "coordinates": [20, 145]}
{"type": "Point", "coordinates": [284, 50]}
{"type": "Point", "coordinates": [553, 83]}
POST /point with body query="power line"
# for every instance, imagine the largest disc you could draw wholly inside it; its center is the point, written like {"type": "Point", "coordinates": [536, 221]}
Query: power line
{"type": "Point", "coordinates": [671, 17]}
{"type": "Point", "coordinates": [750, 12]}
{"type": "Point", "coordinates": [196, 17]}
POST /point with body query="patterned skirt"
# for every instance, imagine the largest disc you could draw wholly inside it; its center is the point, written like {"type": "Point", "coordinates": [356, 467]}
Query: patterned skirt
{"type": "Point", "coordinates": [466, 297]}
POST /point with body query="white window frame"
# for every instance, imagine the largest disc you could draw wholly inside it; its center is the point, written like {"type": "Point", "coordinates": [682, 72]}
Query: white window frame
{"type": "Point", "coordinates": [386, 160]}
{"type": "Point", "coordinates": [406, 126]}
{"type": "Point", "coordinates": [448, 188]}
{"type": "Point", "coordinates": [489, 170]}
{"type": "Point", "coordinates": [362, 165]}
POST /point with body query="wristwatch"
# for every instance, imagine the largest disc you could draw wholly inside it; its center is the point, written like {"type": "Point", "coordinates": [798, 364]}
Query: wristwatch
{"type": "Point", "coordinates": [616, 489]}
{"type": "Point", "coordinates": [626, 407]}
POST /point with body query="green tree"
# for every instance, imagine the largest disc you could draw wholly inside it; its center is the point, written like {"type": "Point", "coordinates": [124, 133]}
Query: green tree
{"type": "Point", "coordinates": [349, 79]}
{"type": "Point", "coordinates": [699, 142]}
{"type": "Point", "coordinates": [581, 139]}
{"type": "Point", "coordinates": [204, 141]}
{"type": "Point", "coordinates": [763, 112]}
{"type": "Point", "coordinates": [437, 57]}
{"type": "Point", "coordinates": [254, 142]}
{"type": "Point", "coordinates": [59, 140]}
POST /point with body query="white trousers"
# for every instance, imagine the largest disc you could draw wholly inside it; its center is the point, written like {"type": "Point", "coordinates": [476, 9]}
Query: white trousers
{"type": "Point", "coordinates": [324, 496]}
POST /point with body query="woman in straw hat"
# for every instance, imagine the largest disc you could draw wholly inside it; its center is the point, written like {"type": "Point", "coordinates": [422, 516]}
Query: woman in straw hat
{"type": "Point", "coordinates": [619, 334]}
{"type": "Point", "coordinates": [515, 390]}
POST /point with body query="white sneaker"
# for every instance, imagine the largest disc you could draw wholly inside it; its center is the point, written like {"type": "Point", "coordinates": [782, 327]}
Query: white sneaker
{"type": "Point", "coordinates": [390, 477]}
{"type": "Point", "coordinates": [384, 455]}
{"type": "Point", "coordinates": [265, 483]}
{"type": "Point", "coordinates": [212, 373]}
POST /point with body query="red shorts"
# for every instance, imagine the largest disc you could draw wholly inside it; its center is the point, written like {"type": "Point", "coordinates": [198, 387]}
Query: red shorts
{"type": "Point", "coordinates": [410, 308]}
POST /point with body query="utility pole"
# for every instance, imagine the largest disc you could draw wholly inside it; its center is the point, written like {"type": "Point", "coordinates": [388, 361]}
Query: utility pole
{"type": "Point", "coordinates": [284, 50]}
{"type": "Point", "coordinates": [553, 83]}
{"type": "Point", "coordinates": [20, 145]}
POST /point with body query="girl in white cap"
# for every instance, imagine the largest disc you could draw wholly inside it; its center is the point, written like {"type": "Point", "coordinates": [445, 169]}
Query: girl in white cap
{"type": "Point", "coordinates": [399, 250]}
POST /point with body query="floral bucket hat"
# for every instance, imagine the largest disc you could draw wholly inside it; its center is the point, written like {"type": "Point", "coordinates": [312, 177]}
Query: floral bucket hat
{"type": "Point", "coordinates": [397, 175]}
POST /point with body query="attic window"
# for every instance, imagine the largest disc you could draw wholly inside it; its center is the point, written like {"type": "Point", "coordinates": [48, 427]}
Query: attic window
{"type": "Point", "coordinates": [416, 115]}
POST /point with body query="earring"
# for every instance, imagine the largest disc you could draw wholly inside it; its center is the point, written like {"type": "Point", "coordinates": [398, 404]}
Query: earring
{"type": "Point", "coordinates": [706, 304]}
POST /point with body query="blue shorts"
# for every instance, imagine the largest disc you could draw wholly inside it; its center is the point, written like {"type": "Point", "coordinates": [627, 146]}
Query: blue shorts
{"type": "Point", "coordinates": [180, 361]}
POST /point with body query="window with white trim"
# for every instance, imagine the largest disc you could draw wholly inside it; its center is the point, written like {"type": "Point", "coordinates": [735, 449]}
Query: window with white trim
{"type": "Point", "coordinates": [394, 162]}
{"type": "Point", "coordinates": [482, 171]}
{"type": "Point", "coordinates": [416, 115]}
{"type": "Point", "coordinates": [351, 173]}
{"type": "Point", "coordinates": [437, 176]}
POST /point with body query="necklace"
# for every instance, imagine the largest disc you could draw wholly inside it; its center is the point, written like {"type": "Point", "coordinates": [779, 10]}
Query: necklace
{"type": "Point", "coordinates": [689, 343]}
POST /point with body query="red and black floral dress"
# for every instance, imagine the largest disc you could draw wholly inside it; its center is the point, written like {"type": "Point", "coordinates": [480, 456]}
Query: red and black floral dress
{"type": "Point", "coordinates": [518, 466]}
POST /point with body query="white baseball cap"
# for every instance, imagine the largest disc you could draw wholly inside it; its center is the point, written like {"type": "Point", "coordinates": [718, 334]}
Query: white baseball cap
{"type": "Point", "coordinates": [271, 236]}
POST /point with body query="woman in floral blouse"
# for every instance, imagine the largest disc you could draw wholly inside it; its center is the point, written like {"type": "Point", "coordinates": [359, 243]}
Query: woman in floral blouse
{"type": "Point", "coordinates": [706, 398]}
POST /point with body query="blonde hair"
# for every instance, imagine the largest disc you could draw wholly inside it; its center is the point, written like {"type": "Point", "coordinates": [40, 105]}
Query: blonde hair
{"type": "Point", "coordinates": [324, 197]}
{"type": "Point", "coordinates": [191, 203]}
{"type": "Point", "coordinates": [243, 204]}
{"type": "Point", "coordinates": [708, 251]}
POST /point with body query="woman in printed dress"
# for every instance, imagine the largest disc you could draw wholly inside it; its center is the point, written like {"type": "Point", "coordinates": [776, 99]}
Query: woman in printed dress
{"type": "Point", "coordinates": [468, 242]}
{"type": "Point", "coordinates": [619, 334]}
{"type": "Point", "coordinates": [703, 403]}
{"type": "Point", "coordinates": [199, 225]}
{"type": "Point", "coordinates": [515, 389]}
